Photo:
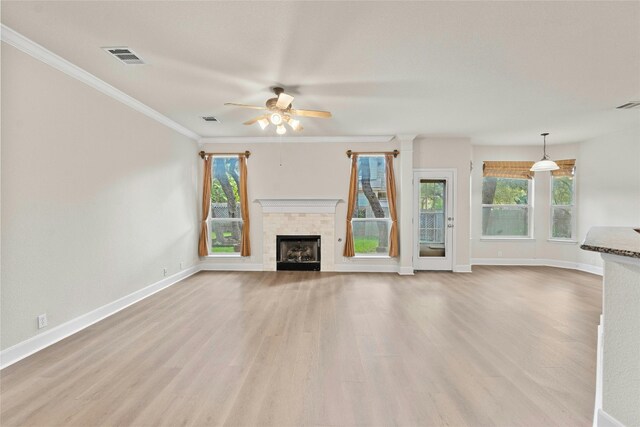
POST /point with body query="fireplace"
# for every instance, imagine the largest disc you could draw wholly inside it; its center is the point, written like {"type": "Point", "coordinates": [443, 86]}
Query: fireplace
{"type": "Point", "coordinates": [299, 253]}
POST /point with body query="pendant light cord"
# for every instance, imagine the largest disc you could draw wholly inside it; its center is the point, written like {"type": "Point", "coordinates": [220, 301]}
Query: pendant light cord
{"type": "Point", "coordinates": [544, 146]}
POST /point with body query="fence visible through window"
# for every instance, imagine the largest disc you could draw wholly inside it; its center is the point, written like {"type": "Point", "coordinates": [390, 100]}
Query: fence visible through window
{"type": "Point", "coordinates": [432, 226]}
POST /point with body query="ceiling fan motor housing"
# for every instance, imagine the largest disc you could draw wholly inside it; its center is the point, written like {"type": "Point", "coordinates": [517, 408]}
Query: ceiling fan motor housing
{"type": "Point", "coordinates": [271, 103]}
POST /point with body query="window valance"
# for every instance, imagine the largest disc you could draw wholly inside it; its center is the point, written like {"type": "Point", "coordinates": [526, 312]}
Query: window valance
{"type": "Point", "coordinates": [567, 167]}
{"type": "Point", "coordinates": [508, 169]}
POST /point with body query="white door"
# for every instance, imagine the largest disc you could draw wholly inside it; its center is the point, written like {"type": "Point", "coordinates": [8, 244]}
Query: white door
{"type": "Point", "coordinates": [433, 219]}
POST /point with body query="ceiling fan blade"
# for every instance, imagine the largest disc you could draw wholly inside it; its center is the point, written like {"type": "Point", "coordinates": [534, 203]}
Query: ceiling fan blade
{"type": "Point", "coordinates": [284, 101]}
{"type": "Point", "coordinates": [254, 107]}
{"type": "Point", "coordinates": [252, 121]}
{"type": "Point", "coordinates": [311, 113]}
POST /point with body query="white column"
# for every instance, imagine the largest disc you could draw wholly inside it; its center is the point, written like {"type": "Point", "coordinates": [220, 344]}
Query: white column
{"type": "Point", "coordinates": [406, 204]}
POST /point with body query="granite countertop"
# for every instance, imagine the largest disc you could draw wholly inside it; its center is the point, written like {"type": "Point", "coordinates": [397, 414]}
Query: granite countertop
{"type": "Point", "coordinates": [623, 241]}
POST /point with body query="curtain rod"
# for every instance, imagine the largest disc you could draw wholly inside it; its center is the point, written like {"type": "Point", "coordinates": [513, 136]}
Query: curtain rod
{"type": "Point", "coordinates": [246, 154]}
{"type": "Point", "coordinates": [394, 152]}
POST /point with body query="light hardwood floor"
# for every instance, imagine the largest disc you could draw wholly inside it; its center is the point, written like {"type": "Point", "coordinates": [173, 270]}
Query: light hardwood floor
{"type": "Point", "coordinates": [504, 346]}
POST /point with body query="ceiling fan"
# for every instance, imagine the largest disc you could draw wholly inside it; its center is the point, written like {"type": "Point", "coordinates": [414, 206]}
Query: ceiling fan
{"type": "Point", "coordinates": [280, 111]}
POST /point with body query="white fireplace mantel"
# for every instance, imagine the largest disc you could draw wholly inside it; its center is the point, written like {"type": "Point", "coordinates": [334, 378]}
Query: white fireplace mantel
{"type": "Point", "coordinates": [298, 205]}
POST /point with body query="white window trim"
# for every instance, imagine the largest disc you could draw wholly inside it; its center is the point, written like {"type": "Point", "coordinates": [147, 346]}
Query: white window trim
{"type": "Point", "coordinates": [210, 218]}
{"type": "Point", "coordinates": [571, 239]}
{"type": "Point", "coordinates": [388, 219]}
{"type": "Point", "coordinates": [530, 211]}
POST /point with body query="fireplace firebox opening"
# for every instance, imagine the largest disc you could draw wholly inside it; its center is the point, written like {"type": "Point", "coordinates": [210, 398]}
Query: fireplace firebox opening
{"type": "Point", "coordinates": [298, 253]}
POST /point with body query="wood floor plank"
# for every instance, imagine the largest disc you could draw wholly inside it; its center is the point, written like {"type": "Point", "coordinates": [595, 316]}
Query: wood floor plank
{"type": "Point", "coordinates": [503, 346]}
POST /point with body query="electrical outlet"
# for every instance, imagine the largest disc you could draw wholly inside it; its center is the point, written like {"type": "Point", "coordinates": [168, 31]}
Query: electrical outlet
{"type": "Point", "coordinates": [42, 321]}
{"type": "Point", "coordinates": [164, 271]}
{"type": "Point", "coordinates": [499, 253]}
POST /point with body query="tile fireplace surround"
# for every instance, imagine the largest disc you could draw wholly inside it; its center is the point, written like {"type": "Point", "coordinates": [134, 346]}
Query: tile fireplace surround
{"type": "Point", "coordinates": [299, 217]}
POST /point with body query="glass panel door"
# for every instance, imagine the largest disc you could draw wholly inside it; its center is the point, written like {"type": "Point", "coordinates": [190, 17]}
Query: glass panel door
{"type": "Point", "coordinates": [432, 199]}
{"type": "Point", "coordinates": [433, 219]}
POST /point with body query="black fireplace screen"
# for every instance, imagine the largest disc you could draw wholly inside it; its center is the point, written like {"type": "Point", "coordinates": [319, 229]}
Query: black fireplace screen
{"type": "Point", "coordinates": [298, 253]}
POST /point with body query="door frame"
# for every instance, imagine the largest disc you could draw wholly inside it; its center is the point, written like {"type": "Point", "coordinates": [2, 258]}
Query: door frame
{"type": "Point", "coordinates": [416, 213]}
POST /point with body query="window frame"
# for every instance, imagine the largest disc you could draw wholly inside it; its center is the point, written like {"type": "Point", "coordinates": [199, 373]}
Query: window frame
{"type": "Point", "coordinates": [386, 219]}
{"type": "Point", "coordinates": [211, 219]}
{"type": "Point", "coordinates": [529, 209]}
{"type": "Point", "coordinates": [571, 239]}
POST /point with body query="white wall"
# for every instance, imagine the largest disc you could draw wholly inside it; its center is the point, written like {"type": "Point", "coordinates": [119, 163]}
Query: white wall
{"type": "Point", "coordinates": [609, 186]}
{"type": "Point", "coordinates": [297, 171]}
{"type": "Point", "coordinates": [96, 198]}
{"type": "Point", "coordinates": [321, 170]}
{"type": "Point", "coordinates": [539, 247]}
{"type": "Point", "coordinates": [450, 153]}
{"type": "Point", "coordinates": [608, 194]}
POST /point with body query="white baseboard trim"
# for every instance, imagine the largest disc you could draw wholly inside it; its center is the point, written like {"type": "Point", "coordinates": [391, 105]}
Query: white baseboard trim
{"type": "Point", "coordinates": [463, 268]}
{"type": "Point", "coordinates": [239, 266]}
{"type": "Point", "coordinates": [588, 268]}
{"type": "Point", "coordinates": [406, 271]}
{"type": "Point", "coordinates": [365, 268]}
{"type": "Point", "coordinates": [26, 348]}
{"type": "Point", "coordinates": [606, 420]}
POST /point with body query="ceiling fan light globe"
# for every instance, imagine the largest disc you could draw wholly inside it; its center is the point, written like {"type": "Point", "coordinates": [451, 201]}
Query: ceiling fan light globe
{"type": "Point", "coordinates": [295, 124]}
{"type": "Point", "coordinates": [281, 130]}
{"type": "Point", "coordinates": [263, 123]}
{"type": "Point", "coordinates": [544, 165]}
{"type": "Point", "coordinates": [276, 119]}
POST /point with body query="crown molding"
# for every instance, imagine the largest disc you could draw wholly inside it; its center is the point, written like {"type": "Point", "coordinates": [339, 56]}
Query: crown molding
{"type": "Point", "coordinates": [294, 139]}
{"type": "Point", "coordinates": [41, 53]}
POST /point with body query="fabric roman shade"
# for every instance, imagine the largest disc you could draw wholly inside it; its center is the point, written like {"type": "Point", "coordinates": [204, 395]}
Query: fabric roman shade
{"type": "Point", "coordinates": [508, 169]}
{"type": "Point", "coordinates": [567, 167]}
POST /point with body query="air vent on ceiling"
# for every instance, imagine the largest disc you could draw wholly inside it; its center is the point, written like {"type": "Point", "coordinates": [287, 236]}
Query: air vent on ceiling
{"type": "Point", "coordinates": [210, 119]}
{"type": "Point", "coordinates": [125, 55]}
{"type": "Point", "coordinates": [629, 105]}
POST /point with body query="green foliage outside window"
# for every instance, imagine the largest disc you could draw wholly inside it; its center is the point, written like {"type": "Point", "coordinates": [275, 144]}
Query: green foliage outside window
{"type": "Point", "coordinates": [226, 223]}
{"type": "Point", "coordinates": [217, 194]}
{"type": "Point", "coordinates": [505, 191]}
{"type": "Point", "coordinates": [505, 209]}
{"type": "Point", "coordinates": [562, 191]}
{"type": "Point", "coordinates": [371, 237]}
{"type": "Point", "coordinates": [432, 196]}
{"type": "Point", "coordinates": [562, 207]}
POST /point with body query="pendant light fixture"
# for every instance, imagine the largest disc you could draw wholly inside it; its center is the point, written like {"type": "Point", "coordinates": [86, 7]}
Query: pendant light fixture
{"type": "Point", "coordinates": [545, 164]}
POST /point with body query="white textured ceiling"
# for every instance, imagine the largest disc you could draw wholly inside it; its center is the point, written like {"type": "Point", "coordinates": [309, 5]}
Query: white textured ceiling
{"type": "Point", "coordinates": [497, 72]}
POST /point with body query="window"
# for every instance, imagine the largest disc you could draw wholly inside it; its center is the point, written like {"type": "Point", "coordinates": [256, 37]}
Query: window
{"type": "Point", "coordinates": [225, 216]}
{"type": "Point", "coordinates": [562, 207]}
{"type": "Point", "coordinates": [371, 221]}
{"type": "Point", "coordinates": [506, 207]}
{"type": "Point", "coordinates": [432, 202]}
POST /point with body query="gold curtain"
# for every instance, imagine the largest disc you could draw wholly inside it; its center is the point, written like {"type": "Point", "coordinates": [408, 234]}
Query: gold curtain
{"type": "Point", "coordinates": [508, 169]}
{"type": "Point", "coordinates": [203, 243]}
{"type": "Point", "coordinates": [391, 197]}
{"type": "Point", "coordinates": [349, 248]}
{"type": "Point", "coordinates": [566, 167]}
{"type": "Point", "coordinates": [245, 245]}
